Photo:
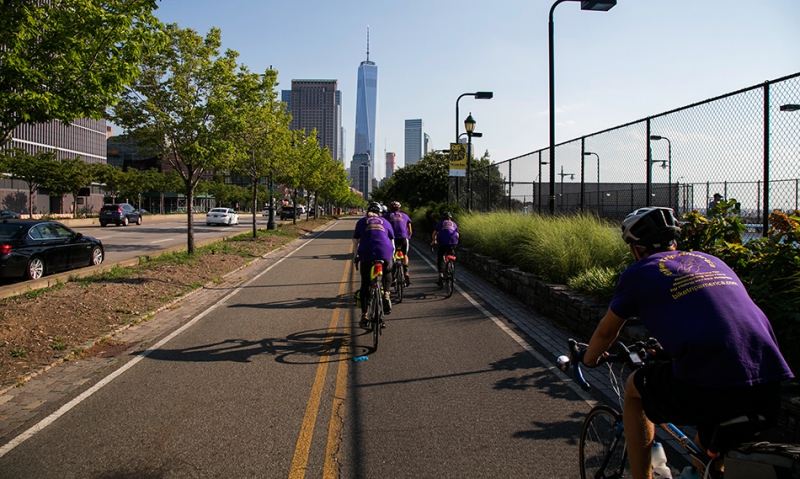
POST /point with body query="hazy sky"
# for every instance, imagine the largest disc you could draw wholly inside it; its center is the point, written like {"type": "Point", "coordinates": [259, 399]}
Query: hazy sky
{"type": "Point", "coordinates": [641, 58]}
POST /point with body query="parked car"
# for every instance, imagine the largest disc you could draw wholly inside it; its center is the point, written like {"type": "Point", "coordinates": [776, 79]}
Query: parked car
{"type": "Point", "coordinates": [9, 214]}
{"type": "Point", "coordinates": [222, 216]}
{"type": "Point", "coordinates": [30, 249]}
{"type": "Point", "coordinates": [288, 212]}
{"type": "Point", "coordinates": [120, 214]}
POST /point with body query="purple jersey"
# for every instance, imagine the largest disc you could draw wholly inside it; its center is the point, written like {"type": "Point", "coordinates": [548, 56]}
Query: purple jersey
{"type": "Point", "coordinates": [446, 232]}
{"type": "Point", "coordinates": [700, 312]}
{"type": "Point", "coordinates": [376, 239]}
{"type": "Point", "coordinates": [400, 222]}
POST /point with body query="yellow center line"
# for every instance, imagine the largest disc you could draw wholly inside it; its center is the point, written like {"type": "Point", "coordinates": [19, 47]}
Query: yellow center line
{"type": "Point", "coordinates": [303, 446]}
{"type": "Point", "coordinates": [333, 448]}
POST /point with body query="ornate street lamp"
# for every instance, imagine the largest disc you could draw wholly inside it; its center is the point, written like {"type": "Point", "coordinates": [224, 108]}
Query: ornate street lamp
{"type": "Point", "coordinates": [469, 125]}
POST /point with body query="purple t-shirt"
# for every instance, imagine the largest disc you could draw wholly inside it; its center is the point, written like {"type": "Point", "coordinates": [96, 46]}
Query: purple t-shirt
{"type": "Point", "coordinates": [446, 232]}
{"type": "Point", "coordinates": [400, 222]}
{"type": "Point", "coordinates": [700, 312]}
{"type": "Point", "coordinates": [376, 239]}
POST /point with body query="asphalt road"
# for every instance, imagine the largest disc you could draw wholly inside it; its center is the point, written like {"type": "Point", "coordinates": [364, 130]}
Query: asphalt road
{"type": "Point", "coordinates": [263, 384]}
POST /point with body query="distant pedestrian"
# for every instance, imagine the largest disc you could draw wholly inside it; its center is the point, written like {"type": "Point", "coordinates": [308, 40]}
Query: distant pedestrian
{"type": "Point", "coordinates": [714, 202]}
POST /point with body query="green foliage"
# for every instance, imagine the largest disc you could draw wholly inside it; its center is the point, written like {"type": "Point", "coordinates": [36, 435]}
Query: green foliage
{"type": "Point", "coordinates": [419, 184]}
{"type": "Point", "coordinates": [67, 60]}
{"type": "Point", "coordinates": [598, 282]}
{"type": "Point", "coordinates": [35, 170]}
{"type": "Point", "coordinates": [553, 248]}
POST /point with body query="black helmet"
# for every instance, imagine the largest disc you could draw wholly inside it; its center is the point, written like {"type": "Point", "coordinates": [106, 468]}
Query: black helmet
{"type": "Point", "coordinates": [652, 227]}
{"type": "Point", "coordinates": [394, 206]}
{"type": "Point", "coordinates": [447, 216]}
{"type": "Point", "coordinates": [374, 207]}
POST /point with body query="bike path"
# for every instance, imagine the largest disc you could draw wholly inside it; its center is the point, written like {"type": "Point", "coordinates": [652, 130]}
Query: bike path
{"type": "Point", "coordinates": [425, 401]}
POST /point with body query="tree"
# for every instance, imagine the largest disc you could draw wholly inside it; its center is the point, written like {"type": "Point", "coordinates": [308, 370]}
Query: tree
{"type": "Point", "coordinates": [70, 175]}
{"type": "Point", "coordinates": [418, 184]}
{"type": "Point", "coordinates": [61, 60]}
{"type": "Point", "coordinates": [33, 169]}
{"type": "Point", "coordinates": [162, 183]}
{"type": "Point", "coordinates": [172, 106]}
{"type": "Point", "coordinates": [256, 123]}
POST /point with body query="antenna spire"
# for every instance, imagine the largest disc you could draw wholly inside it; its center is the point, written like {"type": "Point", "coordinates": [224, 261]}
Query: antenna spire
{"type": "Point", "coordinates": [367, 42]}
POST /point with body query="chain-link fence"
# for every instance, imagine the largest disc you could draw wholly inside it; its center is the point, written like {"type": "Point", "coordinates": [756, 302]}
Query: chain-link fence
{"type": "Point", "coordinates": [744, 145]}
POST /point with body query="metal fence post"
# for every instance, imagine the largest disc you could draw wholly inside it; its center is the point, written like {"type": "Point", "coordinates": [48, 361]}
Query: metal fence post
{"type": "Point", "coordinates": [765, 225]}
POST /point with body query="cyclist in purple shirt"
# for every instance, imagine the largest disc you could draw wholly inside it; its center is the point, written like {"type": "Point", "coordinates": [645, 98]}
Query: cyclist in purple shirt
{"type": "Point", "coordinates": [725, 358]}
{"type": "Point", "coordinates": [401, 224]}
{"type": "Point", "coordinates": [374, 240]}
{"type": "Point", "coordinates": [445, 234]}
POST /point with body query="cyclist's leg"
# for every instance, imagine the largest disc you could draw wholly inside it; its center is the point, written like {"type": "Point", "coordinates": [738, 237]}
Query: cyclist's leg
{"type": "Point", "coordinates": [406, 248]}
{"type": "Point", "coordinates": [639, 431]}
{"type": "Point", "coordinates": [364, 269]}
{"type": "Point", "coordinates": [440, 251]}
{"type": "Point", "coordinates": [388, 266]}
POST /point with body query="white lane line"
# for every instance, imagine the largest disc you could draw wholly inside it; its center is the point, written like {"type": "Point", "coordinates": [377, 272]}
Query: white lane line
{"type": "Point", "coordinates": [524, 344]}
{"type": "Point", "coordinates": [162, 240]}
{"type": "Point", "coordinates": [8, 447]}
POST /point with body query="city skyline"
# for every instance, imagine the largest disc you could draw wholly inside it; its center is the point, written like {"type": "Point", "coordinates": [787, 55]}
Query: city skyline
{"type": "Point", "coordinates": [638, 59]}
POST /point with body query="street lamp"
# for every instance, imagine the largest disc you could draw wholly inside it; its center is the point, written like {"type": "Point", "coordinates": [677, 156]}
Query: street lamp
{"type": "Point", "coordinates": [589, 153]}
{"type": "Point", "coordinates": [539, 198]}
{"type": "Point", "coordinates": [469, 125]}
{"type": "Point", "coordinates": [562, 175]}
{"type": "Point", "coordinates": [669, 162]}
{"type": "Point", "coordinates": [596, 5]}
{"type": "Point", "coordinates": [479, 95]}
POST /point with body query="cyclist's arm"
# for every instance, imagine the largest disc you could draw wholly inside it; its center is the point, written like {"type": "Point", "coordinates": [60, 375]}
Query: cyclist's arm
{"type": "Point", "coordinates": [409, 230]}
{"type": "Point", "coordinates": [355, 248]}
{"type": "Point", "coordinates": [603, 337]}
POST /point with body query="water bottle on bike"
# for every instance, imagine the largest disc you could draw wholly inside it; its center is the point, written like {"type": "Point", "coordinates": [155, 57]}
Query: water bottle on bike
{"type": "Point", "coordinates": [658, 458]}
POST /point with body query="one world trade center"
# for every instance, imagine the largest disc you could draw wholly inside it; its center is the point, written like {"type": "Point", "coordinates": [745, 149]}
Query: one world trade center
{"type": "Point", "coordinates": [366, 94]}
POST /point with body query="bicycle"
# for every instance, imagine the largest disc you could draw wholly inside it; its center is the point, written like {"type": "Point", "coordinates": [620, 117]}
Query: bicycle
{"type": "Point", "coordinates": [449, 273]}
{"type": "Point", "coordinates": [398, 276]}
{"type": "Point", "coordinates": [602, 451]}
{"type": "Point", "coordinates": [375, 302]}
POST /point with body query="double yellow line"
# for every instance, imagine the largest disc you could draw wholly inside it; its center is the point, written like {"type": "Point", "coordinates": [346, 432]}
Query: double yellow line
{"type": "Point", "coordinates": [333, 445]}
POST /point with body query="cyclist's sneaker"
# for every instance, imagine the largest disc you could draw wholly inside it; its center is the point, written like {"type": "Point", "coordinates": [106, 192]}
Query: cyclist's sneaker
{"type": "Point", "coordinates": [440, 281]}
{"type": "Point", "coordinates": [387, 305]}
{"type": "Point", "coordinates": [383, 324]}
{"type": "Point", "coordinates": [364, 321]}
{"type": "Point", "coordinates": [407, 280]}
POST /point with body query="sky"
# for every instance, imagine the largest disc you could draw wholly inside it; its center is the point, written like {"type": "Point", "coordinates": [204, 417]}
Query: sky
{"type": "Point", "coordinates": [641, 58]}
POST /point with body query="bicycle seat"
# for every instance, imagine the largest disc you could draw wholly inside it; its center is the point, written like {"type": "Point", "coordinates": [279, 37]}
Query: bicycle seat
{"type": "Point", "coordinates": [734, 432]}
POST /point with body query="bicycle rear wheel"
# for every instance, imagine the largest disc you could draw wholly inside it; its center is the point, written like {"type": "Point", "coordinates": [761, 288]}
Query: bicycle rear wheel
{"type": "Point", "coordinates": [399, 281]}
{"type": "Point", "coordinates": [376, 315]}
{"type": "Point", "coordinates": [449, 278]}
{"type": "Point", "coordinates": [602, 447]}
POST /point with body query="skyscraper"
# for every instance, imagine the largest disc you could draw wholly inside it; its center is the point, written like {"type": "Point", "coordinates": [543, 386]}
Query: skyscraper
{"type": "Point", "coordinates": [414, 141]}
{"type": "Point", "coordinates": [428, 145]}
{"type": "Point", "coordinates": [366, 99]}
{"type": "Point", "coordinates": [317, 104]}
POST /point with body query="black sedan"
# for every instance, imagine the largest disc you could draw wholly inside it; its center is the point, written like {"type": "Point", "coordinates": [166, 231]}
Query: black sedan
{"type": "Point", "coordinates": [9, 214]}
{"type": "Point", "coordinates": [30, 249]}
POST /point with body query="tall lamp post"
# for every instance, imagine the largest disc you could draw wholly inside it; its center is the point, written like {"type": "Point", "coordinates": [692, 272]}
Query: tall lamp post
{"type": "Point", "coordinates": [669, 162]}
{"type": "Point", "coordinates": [479, 95]}
{"type": "Point", "coordinates": [539, 198]}
{"type": "Point", "coordinates": [596, 5]}
{"type": "Point", "coordinates": [562, 175]}
{"type": "Point", "coordinates": [590, 153]}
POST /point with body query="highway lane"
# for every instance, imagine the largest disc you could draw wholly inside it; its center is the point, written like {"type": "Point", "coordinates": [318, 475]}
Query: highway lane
{"type": "Point", "coordinates": [263, 385]}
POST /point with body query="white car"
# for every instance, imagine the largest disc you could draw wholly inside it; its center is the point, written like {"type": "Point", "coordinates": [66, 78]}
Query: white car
{"type": "Point", "coordinates": [222, 216]}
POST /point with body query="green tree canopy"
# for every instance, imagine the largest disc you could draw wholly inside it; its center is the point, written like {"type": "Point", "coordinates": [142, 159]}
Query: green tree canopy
{"type": "Point", "coordinates": [172, 105]}
{"type": "Point", "coordinates": [65, 59]}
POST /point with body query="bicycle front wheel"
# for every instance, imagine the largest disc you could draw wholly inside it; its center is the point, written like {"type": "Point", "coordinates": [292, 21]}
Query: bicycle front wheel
{"type": "Point", "coordinates": [602, 447]}
{"type": "Point", "coordinates": [449, 278]}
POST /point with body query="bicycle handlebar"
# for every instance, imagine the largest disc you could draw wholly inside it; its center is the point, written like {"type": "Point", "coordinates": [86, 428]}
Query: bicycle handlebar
{"type": "Point", "coordinates": [631, 355]}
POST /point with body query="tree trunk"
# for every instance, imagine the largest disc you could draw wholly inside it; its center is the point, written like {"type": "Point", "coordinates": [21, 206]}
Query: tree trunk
{"type": "Point", "coordinates": [253, 181]}
{"type": "Point", "coordinates": [190, 219]}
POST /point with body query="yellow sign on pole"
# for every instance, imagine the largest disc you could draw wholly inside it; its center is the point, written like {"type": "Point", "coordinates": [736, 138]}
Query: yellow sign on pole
{"type": "Point", "coordinates": [458, 159]}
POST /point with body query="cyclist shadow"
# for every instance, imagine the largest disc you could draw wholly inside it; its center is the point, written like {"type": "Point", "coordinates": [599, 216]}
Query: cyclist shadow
{"type": "Point", "coordinates": [305, 347]}
{"type": "Point", "coordinates": [564, 429]}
